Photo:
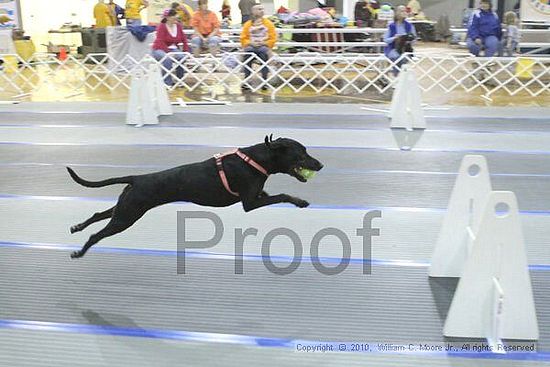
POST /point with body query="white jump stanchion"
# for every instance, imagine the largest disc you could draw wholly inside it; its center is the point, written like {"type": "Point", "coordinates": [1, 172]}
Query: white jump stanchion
{"type": "Point", "coordinates": [161, 102]}
{"type": "Point", "coordinates": [398, 95]}
{"type": "Point", "coordinates": [406, 105]}
{"type": "Point", "coordinates": [140, 110]}
{"type": "Point", "coordinates": [461, 222]}
{"type": "Point", "coordinates": [494, 298]}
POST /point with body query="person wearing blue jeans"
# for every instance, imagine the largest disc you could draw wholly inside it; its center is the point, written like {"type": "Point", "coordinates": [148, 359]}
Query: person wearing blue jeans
{"type": "Point", "coordinates": [484, 31]}
{"type": "Point", "coordinates": [168, 63]}
{"type": "Point", "coordinates": [263, 52]}
{"type": "Point", "coordinates": [258, 37]}
{"type": "Point", "coordinates": [169, 36]}
{"type": "Point", "coordinates": [200, 42]}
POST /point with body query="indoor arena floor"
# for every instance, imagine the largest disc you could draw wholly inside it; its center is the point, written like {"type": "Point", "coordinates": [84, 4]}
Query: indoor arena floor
{"type": "Point", "coordinates": [124, 304]}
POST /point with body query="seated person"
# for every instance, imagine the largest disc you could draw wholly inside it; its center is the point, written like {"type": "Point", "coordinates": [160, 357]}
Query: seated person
{"type": "Point", "coordinates": [207, 29]}
{"type": "Point", "coordinates": [485, 30]}
{"type": "Point", "coordinates": [399, 37]}
{"type": "Point", "coordinates": [169, 35]}
{"type": "Point", "coordinates": [258, 36]}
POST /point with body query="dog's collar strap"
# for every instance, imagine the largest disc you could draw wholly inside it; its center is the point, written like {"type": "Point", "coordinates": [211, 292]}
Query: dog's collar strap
{"type": "Point", "coordinates": [245, 158]}
{"type": "Point", "coordinates": [223, 177]}
{"type": "Point", "coordinates": [252, 162]}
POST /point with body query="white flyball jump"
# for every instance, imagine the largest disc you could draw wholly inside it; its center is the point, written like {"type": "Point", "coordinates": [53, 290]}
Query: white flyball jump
{"type": "Point", "coordinates": [461, 222]}
{"type": "Point", "coordinates": [406, 106]}
{"type": "Point", "coordinates": [481, 241]}
{"type": "Point", "coordinates": [494, 299]}
{"type": "Point", "coordinates": [148, 98]}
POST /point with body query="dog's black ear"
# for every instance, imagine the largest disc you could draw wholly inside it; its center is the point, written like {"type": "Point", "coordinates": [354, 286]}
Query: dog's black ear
{"type": "Point", "coordinates": [271, 138]}
{"type": "Point", "coordinates": [267, 142]}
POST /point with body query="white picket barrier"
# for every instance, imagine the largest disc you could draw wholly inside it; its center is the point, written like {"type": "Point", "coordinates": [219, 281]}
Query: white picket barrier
{"type": "Point", "coordinates": [343, 73]}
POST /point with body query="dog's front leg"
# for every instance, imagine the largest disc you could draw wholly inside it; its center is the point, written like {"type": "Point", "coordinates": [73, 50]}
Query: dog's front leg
{"type": "Point", "coordinates": [251, 202]}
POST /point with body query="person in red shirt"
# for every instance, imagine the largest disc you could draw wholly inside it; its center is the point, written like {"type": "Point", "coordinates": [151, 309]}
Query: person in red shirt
{"type": "Point", "coordinates": [169, 38]}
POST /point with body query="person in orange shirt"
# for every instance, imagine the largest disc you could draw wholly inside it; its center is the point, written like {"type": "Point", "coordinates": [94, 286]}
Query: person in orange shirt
{"type": "Point", "coordinates": [207, 29]}
{"type": "Point", "coordinates": [258, 37]}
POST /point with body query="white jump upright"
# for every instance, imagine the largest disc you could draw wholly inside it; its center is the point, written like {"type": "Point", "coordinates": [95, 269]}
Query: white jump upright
{"type": "Point", "coordinates": [161, 102]}
{"type": "Point", "coordinates": [494, 299]}
{"type": "Point", "coordinates": [461, 222]}
{"type": "Point", "coordinates": [406, 105]}
{"type": "Point", "coordinates": [481, 242]}
{"type": "Point", "coordinates": [148, 98]}
{"type": "Point", "coordinates": [140, 109]}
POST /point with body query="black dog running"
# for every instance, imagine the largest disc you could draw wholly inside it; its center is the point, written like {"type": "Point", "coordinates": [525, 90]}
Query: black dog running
{"type": "Point", "coordinates": [219, 181]}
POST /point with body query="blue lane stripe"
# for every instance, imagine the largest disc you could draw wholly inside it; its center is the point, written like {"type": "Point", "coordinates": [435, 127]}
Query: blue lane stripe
{"type": "Point", "coordinates": [320, 147]}
{"type": "Point", "coordinates": [245, 340]}
{"type": "Point", "coordinates": [145, 333]}
{"type": "Point", "coordinates": [217, 256]}
{"type": "Point", "coordinates": [325, 170]}
{"type": "Point", "coordinates": [249, 127]}
{"type": "Point", "coordinates": [312, 206]}
{"type": "Point", "coordinates": [222, 256]}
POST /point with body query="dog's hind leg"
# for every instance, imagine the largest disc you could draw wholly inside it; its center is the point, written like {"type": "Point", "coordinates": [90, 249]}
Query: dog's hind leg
{"type": "Point", "coordinates": [101, 215]}
{"type": "Point", "coordinates": [127, 211]}
{"type": "Point", "coordinates": [121, 220]}
{"type": "Point", "coordinates": [94, 218]}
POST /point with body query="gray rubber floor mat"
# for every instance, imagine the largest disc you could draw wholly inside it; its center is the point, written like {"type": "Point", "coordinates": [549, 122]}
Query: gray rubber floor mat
{"type": "Point", "coordinates": [393, 304]}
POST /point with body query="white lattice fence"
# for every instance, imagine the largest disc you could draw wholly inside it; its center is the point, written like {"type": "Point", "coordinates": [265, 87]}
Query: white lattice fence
{"type": "Point", "coordinates": [342, 73]}
{"type": "Point", "coordinates": [511, 75]}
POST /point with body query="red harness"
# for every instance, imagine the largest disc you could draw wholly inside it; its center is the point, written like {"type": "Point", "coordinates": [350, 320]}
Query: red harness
{"type": "Point", "coordinates": [245, 158]}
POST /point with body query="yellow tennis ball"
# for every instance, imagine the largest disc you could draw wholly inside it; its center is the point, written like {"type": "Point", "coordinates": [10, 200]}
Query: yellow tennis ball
{"type": "Point", "coordinates": [306, 173]}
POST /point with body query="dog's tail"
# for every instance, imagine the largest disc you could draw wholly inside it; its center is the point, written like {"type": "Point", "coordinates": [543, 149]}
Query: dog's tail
{"type": "Point", "coordinates": [109, 181]}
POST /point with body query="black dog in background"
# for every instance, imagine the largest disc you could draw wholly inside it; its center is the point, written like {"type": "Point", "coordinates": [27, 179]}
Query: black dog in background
{"type": "Point", "coordinates": [403, 43]}
{"type": "Point", "coordinates": [218, 182]}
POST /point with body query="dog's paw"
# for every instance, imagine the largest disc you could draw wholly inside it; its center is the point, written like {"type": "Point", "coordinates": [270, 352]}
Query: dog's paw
{"type": "Point", "coordinates": [300, 203]}
{"type": "Point", "coordinates": [75, 228]}
{"type": "Point", "coordinates": [76, 254]}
